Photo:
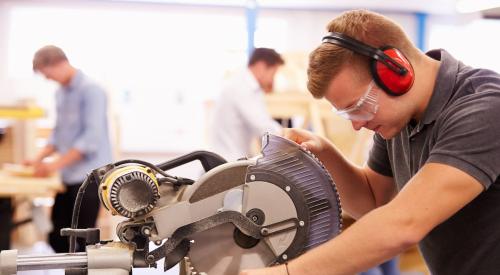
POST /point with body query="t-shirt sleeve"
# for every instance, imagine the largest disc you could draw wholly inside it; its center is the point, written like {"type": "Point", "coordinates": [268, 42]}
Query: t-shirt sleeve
{"type": "Point", "coordinates": [469, 137]}
{"type": "Point", "coordinates": [378, 159]}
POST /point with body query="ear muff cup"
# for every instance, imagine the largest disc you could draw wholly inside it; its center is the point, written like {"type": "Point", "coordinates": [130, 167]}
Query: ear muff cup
{"type": "Point", "coordinates": [390, 81]}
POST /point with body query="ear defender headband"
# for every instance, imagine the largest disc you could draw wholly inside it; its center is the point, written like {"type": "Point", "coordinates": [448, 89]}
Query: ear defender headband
{"type": "Point", "coordinates": [390, 69]}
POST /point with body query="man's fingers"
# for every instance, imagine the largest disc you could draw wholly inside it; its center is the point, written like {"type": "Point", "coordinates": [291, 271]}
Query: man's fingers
{"type": "Point", "coordinates": [292, 135]}
{"type": "Point", "coordinates": [309, 145]}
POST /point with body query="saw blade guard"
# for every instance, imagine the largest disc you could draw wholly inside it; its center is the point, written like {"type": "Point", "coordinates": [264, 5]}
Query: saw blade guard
{"type": "Point", "coordinates": [316, 199]}
{"type": "Point", "coordinates": [286, 190]}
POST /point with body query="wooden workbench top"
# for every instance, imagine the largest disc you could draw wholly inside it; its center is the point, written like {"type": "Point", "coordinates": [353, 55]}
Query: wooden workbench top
{"type": "Point", "coordinates": [11, 185]}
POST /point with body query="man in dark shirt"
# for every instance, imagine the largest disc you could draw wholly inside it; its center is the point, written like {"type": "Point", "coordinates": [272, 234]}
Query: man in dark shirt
{"type": "Point", "coordinates": [432, 175]}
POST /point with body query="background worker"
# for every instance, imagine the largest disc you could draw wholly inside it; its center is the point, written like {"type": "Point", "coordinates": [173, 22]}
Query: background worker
{"type": "Point", "coordinates": [240, 115]}
{"type": "Point", "coordinates": [80, 138]}
{"type": "Point", "coordinates": [432, 177]}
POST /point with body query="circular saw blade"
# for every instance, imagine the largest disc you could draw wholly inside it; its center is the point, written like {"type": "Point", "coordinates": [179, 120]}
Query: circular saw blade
{"type": "Point", "coordinates": [215, 252]}
{"type": "Point", "coordinates": [297, 173]}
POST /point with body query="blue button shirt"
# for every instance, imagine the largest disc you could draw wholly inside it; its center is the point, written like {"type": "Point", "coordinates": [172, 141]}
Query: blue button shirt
{"type": "Point", "coordinates": [82, 124]}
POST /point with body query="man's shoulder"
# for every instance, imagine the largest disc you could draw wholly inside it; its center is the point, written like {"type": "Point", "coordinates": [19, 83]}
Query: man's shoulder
{"type": "Point", "coordinates": [474, 106]}
{"type": "Point", "coordinates": [475, 89]}
{"type": "Point", "coordinates": [89, 85]}
{"type": "Point", "coordinates": [480, 94]}
{"type": "Point", "coordinates": [471, 112]}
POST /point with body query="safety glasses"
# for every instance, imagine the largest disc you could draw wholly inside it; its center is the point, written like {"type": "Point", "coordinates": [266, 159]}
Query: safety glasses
{"type": "Point", "coordinates": [366, 107]}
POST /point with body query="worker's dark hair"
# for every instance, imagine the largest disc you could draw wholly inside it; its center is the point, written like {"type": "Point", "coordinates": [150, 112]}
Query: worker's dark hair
{"type": "Point", "coordinates": [48, 56]}
{"type": "Point", "coordinates": [268, 56]}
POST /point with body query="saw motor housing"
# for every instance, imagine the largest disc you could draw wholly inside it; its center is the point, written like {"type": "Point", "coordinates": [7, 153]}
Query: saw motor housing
{"type": "Point", "coordinates": [129, 190]}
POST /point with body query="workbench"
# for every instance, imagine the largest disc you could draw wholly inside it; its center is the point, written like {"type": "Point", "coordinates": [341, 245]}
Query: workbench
{"type": "Point", "coordinates": [17, 186]}
{"type": "Point", "coordinates": [20, 188]}
{"type": "Point", "coordinates": [17, 145]}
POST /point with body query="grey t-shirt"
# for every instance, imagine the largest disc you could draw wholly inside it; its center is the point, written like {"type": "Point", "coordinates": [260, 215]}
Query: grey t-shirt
{"type": "Point", "coordinates": [460, 128]}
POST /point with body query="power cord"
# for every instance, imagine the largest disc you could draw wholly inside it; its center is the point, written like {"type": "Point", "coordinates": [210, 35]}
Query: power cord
{"type": "Point", "coordinates": [76, 213]}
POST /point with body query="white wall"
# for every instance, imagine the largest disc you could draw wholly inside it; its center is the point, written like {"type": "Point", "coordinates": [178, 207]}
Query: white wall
{"type": "Point", "coordinates": [306, 28]}
{"type": "Point", "coordinates": [472, 40]}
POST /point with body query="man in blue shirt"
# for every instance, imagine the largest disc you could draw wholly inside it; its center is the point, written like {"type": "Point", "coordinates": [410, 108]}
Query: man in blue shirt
{"type": "Point", "coordinates": [80, 138]}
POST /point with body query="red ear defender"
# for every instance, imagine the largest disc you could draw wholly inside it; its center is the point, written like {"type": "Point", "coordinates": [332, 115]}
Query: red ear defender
{"type": "Point", "coordinates": [390, 69]}
{"type": "Point", "coordinates": [394, 83]}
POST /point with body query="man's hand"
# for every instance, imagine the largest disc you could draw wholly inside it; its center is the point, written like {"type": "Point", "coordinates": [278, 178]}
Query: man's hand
{"type": "Point", "coordinates": [32, 162]}
{"type": "Point", "coordinates": [29, 162]}
{"type": "Point", "coordinates": [44, 169]}
{"type": "Point", "coordinates": [306, 139]}
{"type": "Point", "coordinates": [45, 152]}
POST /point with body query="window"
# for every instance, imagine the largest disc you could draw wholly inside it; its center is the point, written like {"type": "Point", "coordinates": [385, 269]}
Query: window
{"type": "Point", "coordinates": [474, 42]}
{"type": "Point", "coordinates": [159, 63]}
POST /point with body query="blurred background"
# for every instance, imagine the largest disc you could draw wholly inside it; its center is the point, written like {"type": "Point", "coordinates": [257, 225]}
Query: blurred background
{"type": "Point", "coordinates": [166, 59]}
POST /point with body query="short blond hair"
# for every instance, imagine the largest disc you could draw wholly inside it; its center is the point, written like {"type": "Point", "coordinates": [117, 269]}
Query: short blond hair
{"type": "Point", "coordinates": [371, 28]}
{"type": "Point", "coordinates": [48, 56]}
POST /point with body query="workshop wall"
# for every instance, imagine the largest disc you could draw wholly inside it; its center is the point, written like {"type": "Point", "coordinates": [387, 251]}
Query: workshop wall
{"type": "Point", "coordinates": [163, 63]}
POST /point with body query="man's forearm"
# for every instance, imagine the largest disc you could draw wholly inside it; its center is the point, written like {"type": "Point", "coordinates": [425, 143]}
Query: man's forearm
{"type": "Point", "coordinates": [375, 238]}
{"type": "Point", "coordinates": [45, 152]}
{"type": "Point", "coordinates": [72, 156]}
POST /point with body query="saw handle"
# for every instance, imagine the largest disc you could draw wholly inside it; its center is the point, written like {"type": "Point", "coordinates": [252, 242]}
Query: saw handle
{"type": "Point", "coordinates": [90, 235]}
{"type": "Point", "coordinates": [208, 160]}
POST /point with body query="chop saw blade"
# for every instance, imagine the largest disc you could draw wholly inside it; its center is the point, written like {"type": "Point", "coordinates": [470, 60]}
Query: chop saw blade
{"type": "Point", "coordinates": [286, 190]}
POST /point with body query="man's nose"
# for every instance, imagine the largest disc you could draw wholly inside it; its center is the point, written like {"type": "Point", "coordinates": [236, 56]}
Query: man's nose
{"type": "Point", "coordinates": [357, 125]}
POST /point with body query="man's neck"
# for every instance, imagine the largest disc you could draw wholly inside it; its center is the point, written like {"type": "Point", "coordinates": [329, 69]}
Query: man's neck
{"type": "Point", "coordinates": [71, 72]}
{"type": "Point", "coordinates": [426, 71]}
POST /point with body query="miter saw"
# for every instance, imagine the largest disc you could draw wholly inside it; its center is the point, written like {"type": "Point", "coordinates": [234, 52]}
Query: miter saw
{"type": "Point", "coordinates": [245, 214]}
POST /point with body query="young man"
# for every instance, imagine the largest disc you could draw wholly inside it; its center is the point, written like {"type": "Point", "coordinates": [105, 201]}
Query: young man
{"type": "Point", "coordinates": [432, 175]}
{"type": "Point", "coordinates": [240, 115]}
{"type": "Point", "coordinates": [80, 137]}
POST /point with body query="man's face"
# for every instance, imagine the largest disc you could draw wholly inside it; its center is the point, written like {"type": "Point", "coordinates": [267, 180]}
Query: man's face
{"type": "Point", "coordinates": [266, 79]}
{"type": "Point", "coordinates": [365, 104]}
{"type": "Point", "coordinates": [53, 72]}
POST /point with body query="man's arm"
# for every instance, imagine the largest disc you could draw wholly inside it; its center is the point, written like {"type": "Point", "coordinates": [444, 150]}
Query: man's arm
{"type": "Point", "coordinates": [45, 169]}
{"type": "Point", "coordinates": [46, 151]}
{"type": "Point", "coordinates": [433, 195]}
{"type": "Point", "coordinates": [72, 156]}
{"type": "Point", "coordinates": [361, 189]}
